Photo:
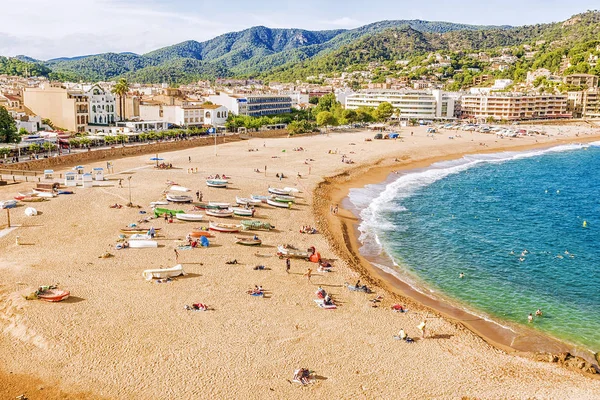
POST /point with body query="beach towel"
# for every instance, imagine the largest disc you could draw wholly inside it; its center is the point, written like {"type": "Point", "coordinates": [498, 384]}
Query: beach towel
{"type": "Point", "coordinates": [257, 294]}
{"type": "Point", "coordinates": [184, 247]}
{"type": "Point", "coordinates": [321, 303]}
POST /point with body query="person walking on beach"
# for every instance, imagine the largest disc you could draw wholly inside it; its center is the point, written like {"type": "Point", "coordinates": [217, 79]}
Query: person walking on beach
{"type": "Point", "coordinates": [421, 327]}
{"type": "Point", "coordinates": [288, 264]}
{"type": "Point", "coordinates": [120, 183]}
{"type": "Point", "coordinates": [198, 195]}
{"type": "Point", "coordinates": [308, 274]}
{"type": "Point", "coordinates": [176, 255]}
{"type": "Point", "coordinates": [189, 159]}
{"type": "Point", "coordinates": [335, 210]}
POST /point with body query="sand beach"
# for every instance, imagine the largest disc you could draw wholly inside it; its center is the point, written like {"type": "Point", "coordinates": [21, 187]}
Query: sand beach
{"type": "Point", "coordinates": [121, 337]}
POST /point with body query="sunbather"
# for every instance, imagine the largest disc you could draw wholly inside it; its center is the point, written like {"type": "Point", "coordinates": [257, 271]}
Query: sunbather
{"type": "Point", "coordinates": [302, 375]}
{"type": "Point", "coordinates": [232, 262]}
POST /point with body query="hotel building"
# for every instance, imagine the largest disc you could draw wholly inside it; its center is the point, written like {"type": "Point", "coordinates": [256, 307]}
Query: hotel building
{"type": "Point", "coordinates": [254, 105]}
{"type": "Point", "coordinates": [514, 106]}
{"type": "Point", "coordinates": [412, 104]}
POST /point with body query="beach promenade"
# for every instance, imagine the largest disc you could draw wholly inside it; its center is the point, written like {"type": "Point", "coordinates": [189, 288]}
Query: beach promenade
{"type": "Point", "coordinates": [121, 337]}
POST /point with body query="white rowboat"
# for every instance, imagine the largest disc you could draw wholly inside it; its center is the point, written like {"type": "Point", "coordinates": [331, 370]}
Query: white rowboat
{"type": "Point", "coordinates": [189, 217]}
{"type": "Point", "coordinates": [163, 273]}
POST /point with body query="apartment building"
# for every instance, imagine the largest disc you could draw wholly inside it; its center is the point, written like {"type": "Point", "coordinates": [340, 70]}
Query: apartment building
{"type": "Point", "coordinates": [188, 115]}
{"type": "Point", "coordinates": [254, 105]}
{"type": "Point", "coordinates": [584, 104]}
{"type": "Point", "coordinates": [514, 106]}
{"type": "Point", "coordinates": [102, 106]}
{"type": "Point", "coordinates": [585, 80]}
{"type": "Point", "coordinates": [66, 109]}
{"type": "Point", "coordinates": [412, 104]}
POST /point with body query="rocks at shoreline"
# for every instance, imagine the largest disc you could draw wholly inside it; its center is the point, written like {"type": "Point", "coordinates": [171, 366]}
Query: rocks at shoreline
{"type": "Point", "coordinates": [569, 361]}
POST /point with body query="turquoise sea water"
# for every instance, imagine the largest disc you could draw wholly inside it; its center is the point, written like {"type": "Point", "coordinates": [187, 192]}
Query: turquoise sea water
{"type": "Point", "coordinates": [511, 222]}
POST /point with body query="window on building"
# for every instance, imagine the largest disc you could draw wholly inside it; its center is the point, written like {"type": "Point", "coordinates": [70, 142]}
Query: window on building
{"type": "Point", "coordinates": [207, 115]}
{"type": "Point", "coordinates": [94, 108]}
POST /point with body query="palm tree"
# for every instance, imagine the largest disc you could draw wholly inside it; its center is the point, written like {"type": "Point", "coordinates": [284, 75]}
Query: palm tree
{"type": "Point", "coordinates": [121, 89]}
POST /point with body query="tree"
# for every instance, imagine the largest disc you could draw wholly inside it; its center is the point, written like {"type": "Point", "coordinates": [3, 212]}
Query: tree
{"type": "Point", "coordinates": [350, 115]}
{"type": "Point", "coordinates": [34, 148]}
{"type": "Point", "coordinates": [384, 111]}
{"type": "Point", "coordinates": [8, 129]}
{"type": "Point", "coordinates": [23, 131]}
{"type": "Point", "coordinates": [121, 89]}
{"type": "Point", "coordinates": [48, 146]}
{"type": "Point", "coordinates": [490, 119]}
{"type": "Point", "coordinates": [4, 151]}
{"type": "Point", "coordinates": [313, 100]}
{"type": "Point", "coordinates": [325, 118]}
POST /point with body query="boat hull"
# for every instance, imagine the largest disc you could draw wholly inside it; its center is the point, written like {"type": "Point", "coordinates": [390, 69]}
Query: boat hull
{"type": "Point", "coordinates": [189, 217]}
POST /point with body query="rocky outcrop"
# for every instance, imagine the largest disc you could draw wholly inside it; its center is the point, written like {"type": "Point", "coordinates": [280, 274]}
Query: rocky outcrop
{"type": "Point", "coordinates": [569, 361]}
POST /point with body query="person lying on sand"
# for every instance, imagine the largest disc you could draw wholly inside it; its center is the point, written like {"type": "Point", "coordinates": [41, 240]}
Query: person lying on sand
{"type": "Point", "coordinates": [197, 307]}
{"type": "Point", "coordinates": [232, 262]}
{"type": "Point", "coordinates": [302, 376]}
{"type": "Point", "coordinates": [259, 268]}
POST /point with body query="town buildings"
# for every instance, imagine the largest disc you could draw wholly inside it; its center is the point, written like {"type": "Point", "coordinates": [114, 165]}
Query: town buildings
{"type": "Point", "coordinates": [185, 115]}
{"type": "Point", "coordinates": [101, 106]}
{"type": "Point", "coordinates": [412, 104]}
{"type": "Point", "coordinates": [584, 80]}
{"type": "Point", "coordinates": [253, 105]}
{"type": "Point", "coordinates": [65, 109]}
{"type": "Point", "coordinates": [514, 106]}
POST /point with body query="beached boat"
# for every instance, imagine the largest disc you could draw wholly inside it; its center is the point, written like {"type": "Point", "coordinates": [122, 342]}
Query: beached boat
{"type": "Point", "coordinates": [200, 233]}
{"type": "Point", "coordinates": [30, 199]}
{"type": "Point", "coordinates": [279, 191]}
{"type": "Point", "coordinates": [279, 204]}
{"type": "Point", "coordinates": [143, 244]}
{"type": "Point", "coordinates": [53, 295]}
{"type": "Point", "coordinates": [290, 251]}
{"type": "Point", "coordinates": [258, 197]}
{"type": "Point", "coordinates": [62, 191]}
{"type": "Point", "coordinates": [179, 198]}
{"type": "Point", "coordinates": [283, 199]}
{"type": "Point", "coordinates": [248, 241]}
{"type": "Point", "coordinates": [163, 273]}
{"type": "Point", "coordinates": [189, 217]}
{"type": "Point", "coordinates": [177, 188]}
{"type": "Point", "coordinates": [140, 236]}
{"type": "Point", "coordinates": [39, 193]}
{"type": "Point", "coordinates": [256, 225]}
{"type": "Point", "coordinates": [216, 226]}
{"type": "Point", "coordinates": [219, 213]}
{"type": "Point", "coordinates": [8, 204]}
{"type": "Point", "coordinates": [291, 190]}
{"type": "Point", "coordinates": [243, 212]}
{"type": "Point", "coordinates": [131, 231]}
{"type": "Point", "coordinates": [159, 203]}
{"type": "Point", "coordinates": [162, 211]}
{"type": "Point", "coordinates": [214, 204]}
{"type": "Point", "coordinates": [217, 183]}
{"type": "Point", "coordinates": [246, 201]}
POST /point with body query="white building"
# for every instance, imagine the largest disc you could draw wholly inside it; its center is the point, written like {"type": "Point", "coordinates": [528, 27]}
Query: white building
{"type": "Point", "coordinates": [412, 104]}
{"type": "Point", "coordinates": [185, 115]}
{"type": "Point", "coordinates": [501, 84]}
{"type": "Point", "coordinates": [254, 105]}
{"type": "Point", "coordinates": [141, 126]}
{"type": "Point", "coordinates": [101, 106]}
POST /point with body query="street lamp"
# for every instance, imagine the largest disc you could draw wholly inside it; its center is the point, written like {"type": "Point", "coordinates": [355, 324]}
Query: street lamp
{"type": "Point", "coordinates": [129, 182]}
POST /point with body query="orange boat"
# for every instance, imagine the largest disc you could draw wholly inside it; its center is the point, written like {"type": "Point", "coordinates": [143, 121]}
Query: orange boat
{"type": "Point", "coordinates": [197, 234]}
{"type": "Point", "coordinates": [54, 295]}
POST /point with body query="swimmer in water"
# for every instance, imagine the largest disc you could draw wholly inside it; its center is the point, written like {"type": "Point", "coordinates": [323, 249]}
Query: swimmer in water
{"type": "Point", "coordinates": [522, 259]}
{"type": "Point", "coordinates": [538, 313]}
{"type": "Point", "coordinates": [461, 275]}
{"type": "Point", "coordinates": [512, 253]}
{"type": "Point", "coordinates": [530, 318]}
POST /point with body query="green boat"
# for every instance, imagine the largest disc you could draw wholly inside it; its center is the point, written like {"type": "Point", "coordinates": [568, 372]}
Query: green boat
{"type": "Point", "coordinates": [256, 225]}
{"type": "Point", "coordinates": [159, 212]}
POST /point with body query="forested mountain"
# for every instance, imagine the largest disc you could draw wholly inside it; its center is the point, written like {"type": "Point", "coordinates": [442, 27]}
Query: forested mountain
{"type": "Point", "coordinates": [290, 54]}
{"type": "Point", "coordinates": [237, 53]}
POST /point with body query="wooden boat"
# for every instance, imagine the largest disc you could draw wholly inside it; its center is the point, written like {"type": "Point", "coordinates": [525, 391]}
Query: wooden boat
{"type": "Point", "coordinates": [245, 201]}
{"type": "Point", "coordinates": [217, 183]}
{"type": "Point", "coordinates": [131, 231]}
{"type": "Point", "coordinates": [290, 251]}
{"type": "Point", "coordinates": [53, 295]}
{"type": "Point", "coordinates": [200, 233]}
{"type": "Point", "coordinates": [159, 203]}
{"type": "Point", "coordinates": [189, 217]}
{"type": "Point", "coordinates": [283, 199]}
{"type": "Point", "coordinates": [62, 191]}
{"type": "Point", "coordinates": [248, 241]}
{"type": "Point", "coordinates": [219, 213]}
{"type": "Point", "coordinates": [143, 244]}
{"type": "Point", "coordinates": [179, 198]}
{"type": "Point", "coordinates": [30, 199]}
{"type": "Point", "coordinates": [163, 273]}
{"type": "Point", "coordinates": [39, 193]}
{"type": "Point", "coordinates": [262, 199]}
{"type": "Point", "coordinates": [279, 204]}
{"type": "Point", "coordinates": [279, 191]}
{"type": "Point", "coordinates": [214, 204]}
{"type": "Point", "coordinates": [140, 236]}
{"type": "Point", "coordinates": [216, 226]}
{"type": "Point", "coordinates": [162, 211]}
{"type": "Point", "coordinates": [291, 190]}
{"type": "Point", "coordinates": [243, 212]}
{"type": "Point", "coordinates": [177, 188]}
{"type": "Point", "coordinates": [256, 225]}
{"type": "Point", "coordinates": [8, 204]}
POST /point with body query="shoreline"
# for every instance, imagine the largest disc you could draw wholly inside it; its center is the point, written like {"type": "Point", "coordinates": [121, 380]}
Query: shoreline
{"type": "Point", "coordinates": [522, 341]}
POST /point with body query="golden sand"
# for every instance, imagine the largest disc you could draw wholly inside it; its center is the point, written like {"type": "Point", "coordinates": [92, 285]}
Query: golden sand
{"type": "Point", "coordinates": [120, 337]}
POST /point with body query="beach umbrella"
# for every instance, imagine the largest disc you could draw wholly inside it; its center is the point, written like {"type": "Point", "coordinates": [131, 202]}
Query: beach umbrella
{"type": "Point", "coordinates": [156, 159]}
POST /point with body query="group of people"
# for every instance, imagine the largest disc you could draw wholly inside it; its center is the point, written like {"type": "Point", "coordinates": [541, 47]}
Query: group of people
{"type": "Point", "coordinates": [280, 176]}
{"type": "Point", "coordinates": [308, 229]}
{"type": "Point", "coordinates": [324, 266]}
{"type": "Point", "coordinates": [346, 160]}
{"type": "Point", "coordinates": [322, 294]}
{"type": "Point", "coordinates": [197, 307]}
{"type": "Point", "coordinates": [538, 313]}
{"type": "Point", "coordinates": [257, 291]}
